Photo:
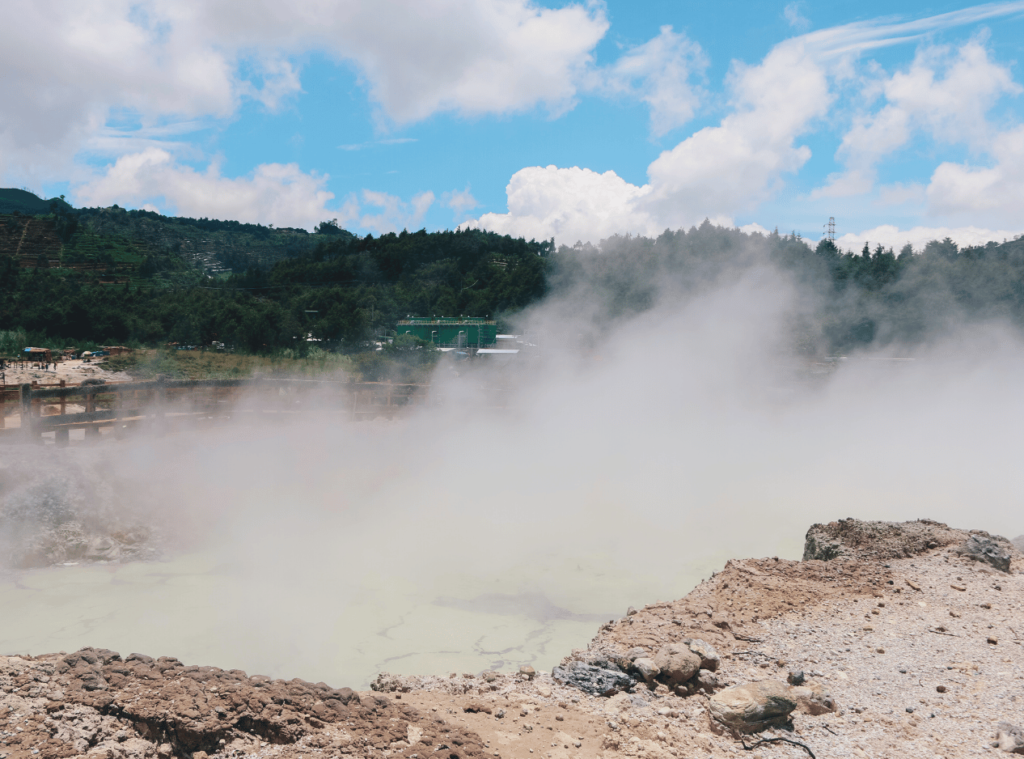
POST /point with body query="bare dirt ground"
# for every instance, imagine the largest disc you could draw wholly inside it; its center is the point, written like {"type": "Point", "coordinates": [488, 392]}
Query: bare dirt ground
{"type": "Point", "coordinates": [72, 372]}
{"type": "Point", "coordinates": [914, 649]}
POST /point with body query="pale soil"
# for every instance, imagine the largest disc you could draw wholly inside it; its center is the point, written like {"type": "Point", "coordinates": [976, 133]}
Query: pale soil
{"type": "Point", "coordinates": [881, 639]}
{"type": "Point", "coordinates": [72, 372]}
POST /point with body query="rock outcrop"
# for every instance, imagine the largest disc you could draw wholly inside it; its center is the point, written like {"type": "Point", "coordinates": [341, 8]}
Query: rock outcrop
{"type": "Point", "coordinates": [93, 701]}
{"type": "Point", "coordinates": [885, 541]}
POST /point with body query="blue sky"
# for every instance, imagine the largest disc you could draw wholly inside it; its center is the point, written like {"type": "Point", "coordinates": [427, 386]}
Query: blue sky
{"type": "Point", "coordinates": [566, 120]}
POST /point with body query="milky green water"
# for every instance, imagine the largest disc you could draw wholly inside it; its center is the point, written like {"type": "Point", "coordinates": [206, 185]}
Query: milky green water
{"type": "Point", "coordinates": [341, 632]}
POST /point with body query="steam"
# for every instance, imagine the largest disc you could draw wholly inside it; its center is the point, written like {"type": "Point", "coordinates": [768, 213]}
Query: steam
{"type": "Point", "coordinates": [499, 527]}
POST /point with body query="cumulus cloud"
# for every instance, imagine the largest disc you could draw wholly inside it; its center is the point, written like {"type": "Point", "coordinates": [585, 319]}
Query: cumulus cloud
{"type": "Point", "coordinates": [944, 94]}
{"type": "Point", "coordinates": [993, 192]}
{"type": "Point", "coordinates": [659, 73]}
{"type": "Point", "coordinates": [69, 66]}
{"type": "Point", "coordinates": [280, 194]}
{"type": "Point", "coordinates": [714, 173]}
{"type": "Point", "coordinates": [570, 204]}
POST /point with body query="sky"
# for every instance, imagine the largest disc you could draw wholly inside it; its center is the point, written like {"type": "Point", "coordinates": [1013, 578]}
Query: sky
{"type": "Point", "coordinates": [902, 120]}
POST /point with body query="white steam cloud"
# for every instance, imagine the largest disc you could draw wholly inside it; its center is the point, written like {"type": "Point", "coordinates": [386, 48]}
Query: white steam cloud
{"type": "Point", "coordinates": [630, 462]}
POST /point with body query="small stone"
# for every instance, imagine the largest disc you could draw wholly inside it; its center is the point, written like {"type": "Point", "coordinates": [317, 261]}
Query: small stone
{"type": "Point", "coordinates": [559, 718]}
{"type": "Point", "coordinates": [500, 713]}
{"type": "Point", "coordinates": [796, 677]}
{"type": "Point", "coordinates": [528, 671]}
{"type": "Point", "coordinates": [940, 688]}
{"type": "Point", "coordinates": [959, 587]}
{"type": "Point", "coordinates": [879, 650]}
{"type": "Point", "coordinates": [910, 710]}
{"type": "Point", "coordinates": [986, 605]}
{"type": "Point", "coordinates": [913, 584]}
{"type": "Point", "coordinates": [630, 611]}
{"type": "Point", "coordinates": [992, 641]}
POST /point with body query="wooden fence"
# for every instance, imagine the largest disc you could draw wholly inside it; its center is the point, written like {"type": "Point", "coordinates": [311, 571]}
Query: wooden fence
{"type": "Point", "coordinates": [162, 403]}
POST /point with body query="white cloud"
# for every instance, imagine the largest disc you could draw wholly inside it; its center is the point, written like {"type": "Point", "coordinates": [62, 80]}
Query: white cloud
{"type": "Point", "coordinates": [895, 238]}
{"type": "Point", "coordinates": [279, 194]}
{"type": "Point", "coordinates": [460, 201]}
{"type": "Point", "coordinates": [711, 174]}
{"type": "Point", "coordinates": [69, 66]}
{"type": "Point", "coordinates": [795, 18]}
{"type": "Point", "coordinates": [658, 73]}
{"type": "Point", "coordinates": [395, 214]}
{"type": "Point", "coordinates": [570, 204]}
{"type": "Point", "coordinates": [736, 165]}
{"type": "Point", "coordinates": [992, 193]}
{"type": "Point", "coordinates": [950, 108]}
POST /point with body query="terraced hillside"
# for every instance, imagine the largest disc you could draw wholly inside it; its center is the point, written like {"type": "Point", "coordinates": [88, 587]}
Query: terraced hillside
{"type": "Point", "coordinates": [51, 242]}
{"type": "Point", "coordinates": [214, 247]}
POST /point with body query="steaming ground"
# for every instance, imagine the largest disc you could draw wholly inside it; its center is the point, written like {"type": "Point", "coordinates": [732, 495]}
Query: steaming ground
{"type": "Point", "coordinates": [464, 536]}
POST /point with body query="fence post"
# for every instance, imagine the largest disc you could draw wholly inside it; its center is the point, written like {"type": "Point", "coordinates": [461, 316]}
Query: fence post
{"type": "Point", "coordinates": [26, 412]}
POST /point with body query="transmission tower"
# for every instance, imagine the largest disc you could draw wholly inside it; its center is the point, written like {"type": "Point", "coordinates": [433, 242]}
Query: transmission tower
{"type": "Point", "coordinates": [832, 229]}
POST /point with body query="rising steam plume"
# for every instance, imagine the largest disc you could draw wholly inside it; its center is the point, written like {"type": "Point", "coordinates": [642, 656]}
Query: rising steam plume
{"type": "Point", "coordinates": [638, 452]}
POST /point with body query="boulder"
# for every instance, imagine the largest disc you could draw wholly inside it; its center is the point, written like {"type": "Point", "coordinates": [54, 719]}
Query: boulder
{"type": "Point", "coordinates": [597, 681]}
{"type": "Point", "coordinates": [984, 548]}
{"type": "Point", "coordinates": [677, 663]}
{"type": "Point", "coordinates": [879, 541]}
{"type": "Point", "coordinates": [709, 658]}
{"type": "Point", "coordinates": [753, 707]}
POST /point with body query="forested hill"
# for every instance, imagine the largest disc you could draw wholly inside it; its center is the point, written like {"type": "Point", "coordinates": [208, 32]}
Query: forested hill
{"type": "Point", "coordinates": [847, 300]}
{"type": "Point", "coordinates": [25, 202]}
{"type": "Point", "coordinates": [121, 276]}
{"type": "Point", "coordinates": [210, 246]}
{"type": "Point", "coordinates": [343, 293]}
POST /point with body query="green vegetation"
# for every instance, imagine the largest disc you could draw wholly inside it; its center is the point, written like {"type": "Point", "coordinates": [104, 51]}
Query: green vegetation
{"type": "Point", "coordinates": [24, 202]}
{"type": "Point", "coordinates": [845, 301]}
{"type": "Point", "coordinates": [185, 364]}
{"type": "Point", "coordinates": [326, 301]}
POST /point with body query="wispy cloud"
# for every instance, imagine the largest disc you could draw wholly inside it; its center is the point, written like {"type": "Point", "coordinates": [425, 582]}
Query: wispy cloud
{"type": "Point", "coordinates": [885, 31]}
{"type": "Point", "coordinates": [795, 18]}
{"type": "Point", "coordinates": [375, 143]}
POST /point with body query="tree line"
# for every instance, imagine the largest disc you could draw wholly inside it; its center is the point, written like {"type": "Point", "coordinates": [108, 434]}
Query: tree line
{"type": "Point", "coordinates": [344, 293]}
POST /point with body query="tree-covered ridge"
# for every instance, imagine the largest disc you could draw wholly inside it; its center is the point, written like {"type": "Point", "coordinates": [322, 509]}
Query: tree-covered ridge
{"type": "Point", "coordinates": [212, 246]}
{"type": "Point", "coordinates": [846, 300]}
{"type": "Point", "coordinates": [341, 294]}
{"type": "Point", "coordinates": [25, 202]}
{"type": "Point", "coordinates": [135, 276]}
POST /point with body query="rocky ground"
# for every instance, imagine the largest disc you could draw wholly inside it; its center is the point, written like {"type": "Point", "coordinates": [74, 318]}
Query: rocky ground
{"type": "Point", "coordinates": [887, 640]}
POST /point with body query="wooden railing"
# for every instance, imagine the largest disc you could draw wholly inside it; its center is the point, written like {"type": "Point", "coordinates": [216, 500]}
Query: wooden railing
{"type": "Point", "coordinates": [58, 409]}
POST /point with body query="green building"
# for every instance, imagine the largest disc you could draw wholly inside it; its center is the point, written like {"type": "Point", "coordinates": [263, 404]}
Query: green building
{"type": "Point", "coordinates": [468, 331]}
